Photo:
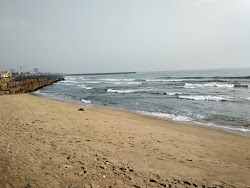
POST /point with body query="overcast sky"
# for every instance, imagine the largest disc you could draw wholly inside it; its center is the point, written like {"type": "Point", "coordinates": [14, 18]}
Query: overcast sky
{"type": "Point", "coordinates": [80, 36]}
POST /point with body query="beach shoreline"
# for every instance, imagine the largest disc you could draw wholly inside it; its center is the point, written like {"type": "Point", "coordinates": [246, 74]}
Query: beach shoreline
{"type": "Point", "coordinates": [47, 142]}
{"type": "Point", "coordinates": [199, 124]}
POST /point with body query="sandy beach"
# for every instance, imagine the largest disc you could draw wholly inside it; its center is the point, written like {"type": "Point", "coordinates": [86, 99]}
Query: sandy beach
{"type": "Point", "coordinates": [48, 143]}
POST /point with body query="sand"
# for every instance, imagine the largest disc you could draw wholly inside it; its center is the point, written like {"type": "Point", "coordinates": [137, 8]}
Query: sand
{"type": "Point", "coordinates": [48, 143]}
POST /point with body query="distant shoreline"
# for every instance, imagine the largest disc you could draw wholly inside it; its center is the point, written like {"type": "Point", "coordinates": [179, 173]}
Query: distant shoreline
{"type": "Point", "coordinates": [196, 124]}
{"type": "Point", "coordinates": [108, 73]}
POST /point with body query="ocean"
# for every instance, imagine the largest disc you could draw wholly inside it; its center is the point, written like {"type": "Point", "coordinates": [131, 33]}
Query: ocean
{"type": "Point", "coordinates": [219, 99]}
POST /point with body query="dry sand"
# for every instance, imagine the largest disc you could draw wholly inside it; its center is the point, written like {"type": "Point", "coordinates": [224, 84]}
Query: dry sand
{"type": "Point", "coordinates": [47, 143]}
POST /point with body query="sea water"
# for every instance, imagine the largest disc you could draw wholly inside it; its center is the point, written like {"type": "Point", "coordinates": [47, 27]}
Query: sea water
{"type": "Point", "coordinates": [218, 99]}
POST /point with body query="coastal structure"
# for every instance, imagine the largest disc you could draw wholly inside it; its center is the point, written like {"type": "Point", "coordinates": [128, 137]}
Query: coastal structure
{"type": "Point", "coordinates": [11, 85]}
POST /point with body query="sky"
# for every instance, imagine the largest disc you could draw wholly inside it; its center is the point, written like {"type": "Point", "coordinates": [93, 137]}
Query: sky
{"type": "Point", "coordinates": [81, 36]}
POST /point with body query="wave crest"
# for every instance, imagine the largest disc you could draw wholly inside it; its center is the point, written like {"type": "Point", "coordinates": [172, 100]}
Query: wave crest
{"type": "Point", "coordinates": [123, 91]}
{"type": "Point", "coordinates": [204, 98]}
{"type": "Point", "coordinates": [165, 116]}
{"type": "Point", "coordinates": [86, 101]}
{"type": "Point", "coordinates": [189, 85]}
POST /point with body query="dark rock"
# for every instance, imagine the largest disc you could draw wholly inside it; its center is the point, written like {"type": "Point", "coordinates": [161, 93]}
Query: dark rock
{"type": "Point", "coordinates": [123, 169]}
{"type": "Point", "coordinates": [136, 186]}
{"type": "Point", "coordinates": [80, 109]}
{"type": "Point", "coordinates": [195, 185]}
{"type": "Point", "coordinates": [163, 184]}
{"type": "Point", "coordinates": [152, 180]}
{"type": "Point", "coordinates": [186, 183]}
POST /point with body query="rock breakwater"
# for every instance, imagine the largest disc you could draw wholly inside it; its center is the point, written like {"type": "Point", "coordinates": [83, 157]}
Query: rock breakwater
{"type": "Point", "coordinates": [20, 84]}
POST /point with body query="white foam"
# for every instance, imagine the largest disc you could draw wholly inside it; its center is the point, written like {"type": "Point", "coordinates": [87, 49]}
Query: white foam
{"type": "Point", "coordinates": [133, 83]}
{"type": "Point", "coordinates": [236, 129]}
{"type": "Point", "coordinates": [84, 86]}
{"type": "Point", "coordinates": [204, 98]}
{"type": "Point", "coordinates": [189, 85]}
{"type": "Point", "coordinates": [182, 118]}
{"type": "Point", "coordinates": [169, 80]}
{"type": "Point", "coordinates": [123, 91]}
{"type": "Point", "coordinates": [37, 92]}
{"type": "Point", "coordinates": [68, 84]}
{"type": "Point", "coordinates": [188, 119]}
{"type": "Point", "coordinates": [173, 93]}
{"type": "Point", "coordinates": [223, 127]}
{"type": "Point", "coordinates": [125, 83]}
{"type": "Point", "coordinates": [92, 82]}
{"type": "Point", "coordinates": [156, 80]}
{"type": "Point", "coordinates": [166, 116]}
{"type": "Point", "coordinates": [116, 83]}
{"type": "Point", "coordinates": [116, 79]}
{"type": "Point", "coordinates": [86, 101]}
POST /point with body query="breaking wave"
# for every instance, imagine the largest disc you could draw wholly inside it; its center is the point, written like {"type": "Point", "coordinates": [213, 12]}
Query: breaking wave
{"type": "Point", "coordinates": [173, 93]}
{"type": "Point", "coordinates": [86, 101]}
{"type": "Point", "coordinates": [68, 84]}
{"type": "Point", "coordinates": [92, 82]}
{"type": "Point", "coordinates": [85, 87]}
{"type": "Point", "coordinates": [165, 116]}
{"type": "Point", "coordinates": [125, 83]}
{"type": "Point", "coordinates": [188, 119]}
{"type": "Point", "coordinates": [168, 80]}
{"type": "Point", "coordinates": [215, 77]}
{"type": "Point", "coordinates": [205, 98]}
{"type": "Point", "coordinates": [124, 91]}
{"type": "Point", "coordinates": [189, 85]}
{"type": "Point", "coordinates": [212, 125]}
{"type": "Point", "coordinates": [166, 93]}
{"type": "Point", "coordinates": [117, 79]}
{"type": "Point", "coordinates": [133, 83]}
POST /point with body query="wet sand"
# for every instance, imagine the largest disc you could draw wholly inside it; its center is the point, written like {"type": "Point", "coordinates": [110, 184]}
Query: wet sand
{"type": "Point", "coordinates": [48, 143]}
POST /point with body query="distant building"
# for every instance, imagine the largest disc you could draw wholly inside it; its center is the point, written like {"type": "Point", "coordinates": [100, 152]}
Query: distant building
{"type": "Point", "coordinates": [5, 74]}
{"type": "Point", "coordinates": [13, 72]}
{"type": "Point", "coordinates": [36, 70]}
